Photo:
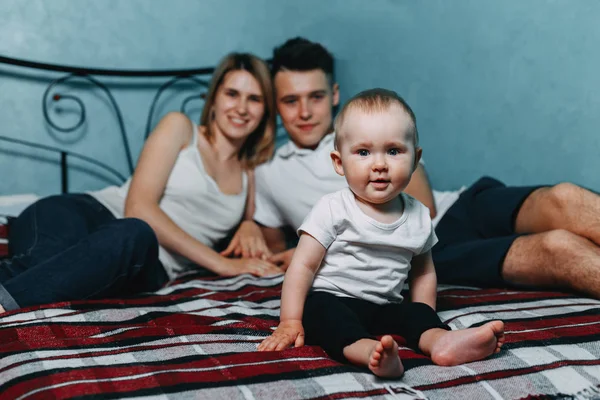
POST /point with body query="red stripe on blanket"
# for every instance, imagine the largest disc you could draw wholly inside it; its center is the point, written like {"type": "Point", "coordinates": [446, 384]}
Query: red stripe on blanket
{"type": "Point", "coordinates": [205, 370]}
{"type": "Point", "coordinates": [451, 299]}
{"type": "Point", "coordinates": [3, 231]}
{"type": "Point", "coordinates": [53, 336]}
{"type": "Point", "coordinates": [554, 332]}
{"type": "Point", "coordinates": [4, 245]}
{"type": "Point", "coordinates": [553, 321]}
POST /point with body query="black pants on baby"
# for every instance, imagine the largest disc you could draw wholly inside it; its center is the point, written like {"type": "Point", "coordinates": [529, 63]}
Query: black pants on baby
{"type": "Point", "coordinates": [334, 322]}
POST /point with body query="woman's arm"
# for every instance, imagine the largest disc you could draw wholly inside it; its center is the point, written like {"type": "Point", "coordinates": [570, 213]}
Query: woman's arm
{"type": "Point", "coordinates": [298, 280]}
{"type": "Point", "coordinates": [172, 134]}
{"type": "Point", "coordinates": [423, 280]}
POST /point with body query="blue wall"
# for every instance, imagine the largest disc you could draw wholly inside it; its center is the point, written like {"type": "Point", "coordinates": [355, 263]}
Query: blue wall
{"type": "Point", "coordinates": [135, 34]}
{"type": "Point", "coordinates": [506, 88]}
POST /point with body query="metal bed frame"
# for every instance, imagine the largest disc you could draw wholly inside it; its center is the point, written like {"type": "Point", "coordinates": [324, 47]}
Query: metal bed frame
{"type": "Point", "coordinates": [52, 96]}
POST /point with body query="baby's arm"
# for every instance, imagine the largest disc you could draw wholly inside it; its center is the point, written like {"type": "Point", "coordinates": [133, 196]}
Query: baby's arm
{"type": "Point", "coordinates": [298, 280]}
{"type": "Point", "coordinates": [423, 280]}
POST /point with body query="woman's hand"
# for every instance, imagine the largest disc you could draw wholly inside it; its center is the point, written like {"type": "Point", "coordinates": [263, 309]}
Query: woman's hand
{"type": "Point", "coordinates": [254, 266]}
{"type": "Point", "coordinates": [287, 333]}
{"type": "Point", "coordinates": [248, 242]}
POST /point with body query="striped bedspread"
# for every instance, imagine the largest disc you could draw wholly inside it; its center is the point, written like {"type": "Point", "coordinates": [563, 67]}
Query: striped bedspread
{"type": "Point", "coordinates": [196, 339]}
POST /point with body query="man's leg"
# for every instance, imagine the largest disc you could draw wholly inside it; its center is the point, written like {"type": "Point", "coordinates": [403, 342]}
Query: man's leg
{"type": "Point", "coordinates": [554, 259]}
{"type": "Point", "coordinates": [564, 206]}
{"type": "Point", "coordinates": [477, 232]}
{"type": "Point", "coordinates": [534, 237]}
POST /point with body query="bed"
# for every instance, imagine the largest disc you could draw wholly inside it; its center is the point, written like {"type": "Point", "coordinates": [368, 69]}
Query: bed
{"type": "Point", "coordinates": [196, 338]}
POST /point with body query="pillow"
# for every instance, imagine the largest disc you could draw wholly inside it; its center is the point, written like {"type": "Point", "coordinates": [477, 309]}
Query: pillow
{"type": "Point", "coordinates": [13, 205]}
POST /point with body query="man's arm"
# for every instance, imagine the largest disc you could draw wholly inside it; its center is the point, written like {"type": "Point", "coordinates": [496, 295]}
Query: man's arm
{"type": "Point", "coordinates": [420, 188]}
{"type": "Point", "coordinates": [275, 238]}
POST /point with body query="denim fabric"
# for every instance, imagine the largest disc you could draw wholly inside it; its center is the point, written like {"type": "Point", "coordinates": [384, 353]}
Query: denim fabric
{"type": "Point", "coordinates": [70, 247]}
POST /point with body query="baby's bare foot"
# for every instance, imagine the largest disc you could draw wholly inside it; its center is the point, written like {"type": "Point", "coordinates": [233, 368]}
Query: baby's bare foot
{"type": "Point", "coordinates": [467, 345]}
{"type": "Point", "coordinates": [385, 361]}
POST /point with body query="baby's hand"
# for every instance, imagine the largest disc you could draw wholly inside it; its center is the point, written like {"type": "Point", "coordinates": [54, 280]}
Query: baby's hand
{"type": "Point", "coordinates": [287, 333]}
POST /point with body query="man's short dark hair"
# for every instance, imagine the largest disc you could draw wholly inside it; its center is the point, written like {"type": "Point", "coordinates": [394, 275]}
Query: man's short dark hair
{"type": "Point", "coordinates": [300, 54]}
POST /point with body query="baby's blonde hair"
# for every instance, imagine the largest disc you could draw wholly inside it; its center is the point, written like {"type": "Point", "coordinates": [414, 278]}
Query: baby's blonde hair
{"type": "Point", "coordinates": [374, 100]}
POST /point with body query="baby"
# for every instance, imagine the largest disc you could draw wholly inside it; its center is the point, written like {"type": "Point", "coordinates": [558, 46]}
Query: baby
{"type": "Point", "coordinates": [360, 244]}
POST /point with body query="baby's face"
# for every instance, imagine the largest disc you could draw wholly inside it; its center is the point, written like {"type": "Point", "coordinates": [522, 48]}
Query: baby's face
{"type": "Point", "coordinates": [377, 153]}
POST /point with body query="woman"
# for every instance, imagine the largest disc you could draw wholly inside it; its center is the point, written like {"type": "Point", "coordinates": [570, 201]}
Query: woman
{"type": "Point", "coordinates": [191, 186]}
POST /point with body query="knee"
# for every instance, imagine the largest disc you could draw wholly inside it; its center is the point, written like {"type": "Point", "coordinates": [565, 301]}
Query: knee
{"type": "Point", "coordinates": [564, 194]}
{"type": "Point", "coordinates": [558, 242]}
{"type": "Point", "coordinates": [138, 228]}
{"type": "Point", "coordinates": [51, 202]}
{"type": "Point", "coordinates": [43, 205]}
{"type": "Point", "coordinates": [139, 231]}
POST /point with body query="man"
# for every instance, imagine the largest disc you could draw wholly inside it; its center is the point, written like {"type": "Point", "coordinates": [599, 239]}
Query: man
{"type": "Point", "coordinates": [489, 234]}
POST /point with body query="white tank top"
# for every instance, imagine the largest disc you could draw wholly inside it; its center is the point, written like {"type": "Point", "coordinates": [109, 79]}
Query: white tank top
{"type": "Point", "coordinates": [192, 199]}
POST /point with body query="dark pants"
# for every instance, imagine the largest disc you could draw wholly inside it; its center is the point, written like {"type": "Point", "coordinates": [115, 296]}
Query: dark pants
{"type": "Point", "coordinates": [477, 232]}
{"type": "Point", "coordinates": [335, 322]}
{"type": "Point", "coordinates": [70, 247]}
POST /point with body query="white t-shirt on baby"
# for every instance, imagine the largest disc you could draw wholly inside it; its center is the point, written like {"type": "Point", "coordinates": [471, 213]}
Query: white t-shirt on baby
{"type": "Point", "coordinates": [366, 259]}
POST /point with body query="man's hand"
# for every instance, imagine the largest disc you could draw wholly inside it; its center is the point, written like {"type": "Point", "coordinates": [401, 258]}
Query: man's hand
{"type": "Point", "coordinates": [287, 333]}
{"type": "Point", "coordinates": [248, 242]}
{"type": "Point", "coordinates": [282, 259]}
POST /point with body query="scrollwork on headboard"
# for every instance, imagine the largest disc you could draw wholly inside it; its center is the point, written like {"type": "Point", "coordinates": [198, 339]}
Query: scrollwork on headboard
{"type": "Point", "coordinates": [51, 96]}
{"type": "Point", "coordinates": [165, 86]}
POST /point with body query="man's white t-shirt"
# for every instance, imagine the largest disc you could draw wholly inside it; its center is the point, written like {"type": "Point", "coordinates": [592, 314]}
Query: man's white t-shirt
{"type": "Point", "coordinates": [366, 259]}
{"type": "Point", "coordinates": [290, 184]}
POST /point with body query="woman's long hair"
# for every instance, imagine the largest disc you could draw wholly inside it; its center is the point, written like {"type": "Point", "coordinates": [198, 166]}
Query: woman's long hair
{"type": "Point", "coordinates": [258, 147]}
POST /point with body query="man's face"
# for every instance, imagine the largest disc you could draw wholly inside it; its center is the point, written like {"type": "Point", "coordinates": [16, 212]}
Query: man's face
{"type": "Point", "coordinates": [305, 100]}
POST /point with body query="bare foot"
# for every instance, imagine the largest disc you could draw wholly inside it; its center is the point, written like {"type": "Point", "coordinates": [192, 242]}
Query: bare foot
{"type": "Point", "coordinates": [384, 360]}
{"type": "Point", "coordinates": [467, 345]}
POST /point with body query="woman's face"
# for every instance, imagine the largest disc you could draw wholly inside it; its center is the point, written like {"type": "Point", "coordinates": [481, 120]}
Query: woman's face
{"type": "Point", "coordinates": [239, 105]}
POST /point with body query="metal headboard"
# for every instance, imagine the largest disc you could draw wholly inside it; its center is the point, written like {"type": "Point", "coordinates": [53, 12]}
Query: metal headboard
{"type": "Point", "coordinates": [52, 96]}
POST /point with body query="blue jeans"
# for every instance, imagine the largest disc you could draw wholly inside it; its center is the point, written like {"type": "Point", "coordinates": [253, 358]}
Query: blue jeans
{"type": "Point", "coordinates": [70, 247]}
